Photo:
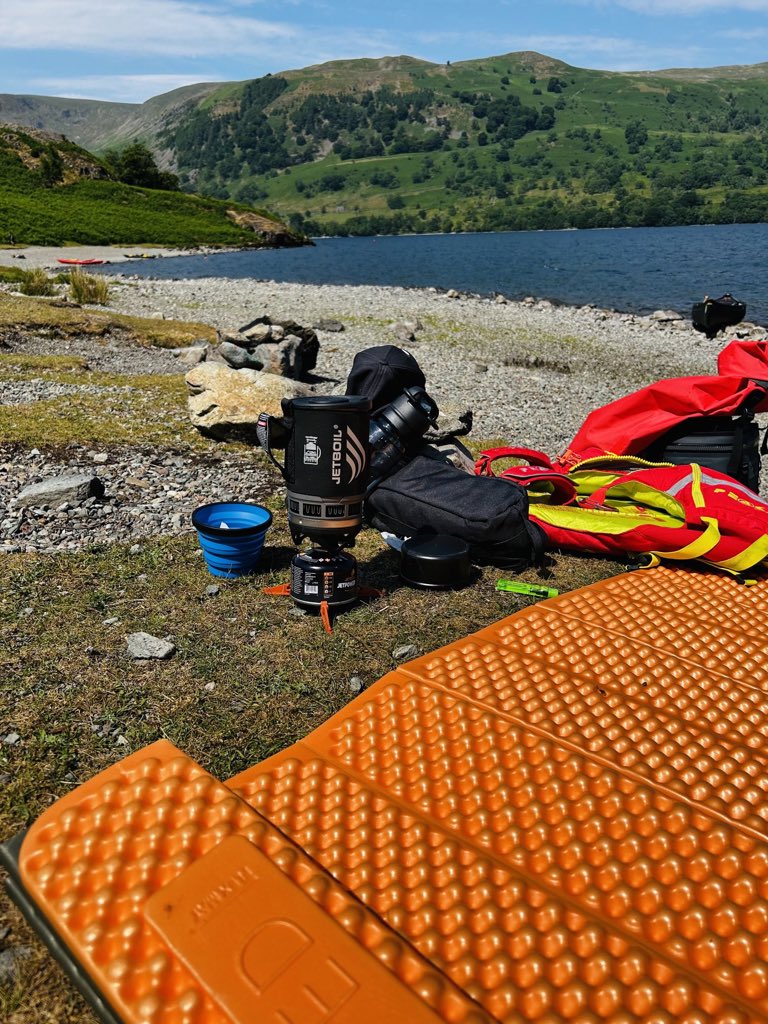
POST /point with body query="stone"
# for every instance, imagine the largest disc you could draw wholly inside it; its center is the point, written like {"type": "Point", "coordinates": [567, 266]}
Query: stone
{"type": "Point", "coordinates": [664, 316]}
{"type": "Point", "coordinates": [10, 960]}
{"type": "Point", "coordinates": [452, 294]}
{"type": "Point", "coordinates": [232, 338]}
{"type": "Point", "coordinates": [237, 356]}
{"type": "Point", "coordinates": [191, 355]}
{"type": "Point", "coordinates": [11, 739]}
{"type": "Point", "coordinates": [286, 358]}
{"type": "Point", "coordinates": [501, 300]}
{"type": "Point", "coordinates": [212, 591]}
{"type": "Point", "coordinates": [101, 458]}
{"type": "Point", "coordinates": [257, 332]}
{"type": "Point", "coordinates": [209, 687]}
{"type": "Point", "coordinates": [72, 487]}
{"type": "Point", "coordinates": [256, 335]}
{"type": "Point", "coordinates": [356, 684]}
{"type": "Point", "coordinates": [454, 418]}
{"type": "Point", "coordinates": [145, 647]}
{"type": "Point", "coordinates": [332, 326]}
{"type": "Point", "coordinates": [225, 404]}
{"type": "Point", "coordinates": [405, 652]}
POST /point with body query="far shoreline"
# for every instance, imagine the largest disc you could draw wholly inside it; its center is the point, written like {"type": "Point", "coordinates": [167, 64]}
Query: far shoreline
{"type": "Point", "coordinates": [659, 270]}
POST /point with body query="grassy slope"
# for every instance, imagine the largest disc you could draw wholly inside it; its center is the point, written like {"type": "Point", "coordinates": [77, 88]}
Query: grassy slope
{"type": "Point", "coordinates": [100, 211]}
{"type": "Point", "coordinates": [543, 166]}
{"type": "Point", "coordinates": [545, 170]}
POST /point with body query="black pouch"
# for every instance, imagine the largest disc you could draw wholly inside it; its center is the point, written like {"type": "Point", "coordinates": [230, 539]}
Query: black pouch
{"type": "Point", "coordinates": [729, 444]}
{"type": "Point", "coordinates": [711, 315]}
{"type": "Point", "coordinates": [491, 515]}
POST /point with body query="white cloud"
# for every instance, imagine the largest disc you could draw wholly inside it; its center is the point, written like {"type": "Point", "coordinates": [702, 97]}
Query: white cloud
{"type": "Point", "coordinates": [676, 7]}
{"type": "Point", "coordinates": [608, 53]}
{"type": "Point", "coordinates": [181, 28]}
{"type": "Point", "coordinates": [119, 88]}
{"type": "Point", "coordinates": [744, 34]}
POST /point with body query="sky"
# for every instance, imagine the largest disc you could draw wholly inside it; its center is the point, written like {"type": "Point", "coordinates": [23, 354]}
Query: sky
{"type": "Point", "coordinates": [130, 50]}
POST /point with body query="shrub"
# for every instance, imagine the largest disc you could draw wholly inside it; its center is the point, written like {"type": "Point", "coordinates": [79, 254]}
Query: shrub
{"type": "Point", "coordinates": [88, 288]}
{"type": "Point", "coordinates": [36, 282]}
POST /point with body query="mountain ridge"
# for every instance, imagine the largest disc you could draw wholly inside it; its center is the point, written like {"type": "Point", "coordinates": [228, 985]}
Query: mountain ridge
{"type": "Point", "coordinates": [397, 143]}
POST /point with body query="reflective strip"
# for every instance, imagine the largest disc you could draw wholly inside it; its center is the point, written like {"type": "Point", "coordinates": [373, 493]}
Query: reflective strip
{"type": "Point", "coordinates": [681, 484]}
{"type": "Point", "coordinates": [713, 481]}
{"type": "Point", "coordinates": [732, 485]}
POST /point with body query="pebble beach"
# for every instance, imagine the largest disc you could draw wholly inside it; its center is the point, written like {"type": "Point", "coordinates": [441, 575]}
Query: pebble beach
{"type": "Point", "coordinates": [530, 371]}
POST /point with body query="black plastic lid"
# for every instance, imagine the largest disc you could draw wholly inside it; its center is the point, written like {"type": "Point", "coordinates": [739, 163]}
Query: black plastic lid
{"type": "Point", "coordinates": [435, 561]}
{"type": "Point", "coordinates": [333, 403]}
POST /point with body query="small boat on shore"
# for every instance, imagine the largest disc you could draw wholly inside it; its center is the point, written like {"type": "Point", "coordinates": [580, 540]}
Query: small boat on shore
{"type": "Point", "coordinates": [81, 263]}
{"type": "Point", "coordinates": [140, 255]}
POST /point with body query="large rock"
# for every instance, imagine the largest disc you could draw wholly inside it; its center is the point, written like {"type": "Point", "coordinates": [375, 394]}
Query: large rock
{"type": "Point", "coordinates": [287, 357]}
{"type": "Point", "coordinates": [225, 403]}
{"type": "Point", "coordinates": [275, 346]}
{"type": "Point", "coordinates": [264, 330]}
{"type": "Point", "coordinates": [71, 487]}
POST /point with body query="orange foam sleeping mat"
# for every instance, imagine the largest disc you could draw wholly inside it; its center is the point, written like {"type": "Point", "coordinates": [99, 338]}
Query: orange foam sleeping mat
{"type": "Point", "coordinates": [562, 817]}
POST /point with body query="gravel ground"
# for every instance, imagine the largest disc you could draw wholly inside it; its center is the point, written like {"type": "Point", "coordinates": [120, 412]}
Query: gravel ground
{"type": "Point", "coordinates": [530, 371]}
{"type": "Point", "coordinates": [113, 356]}
{"type": "Point", "coordinates": [147, 493]}
{"type": "Point", "coordinates": [474, 351]}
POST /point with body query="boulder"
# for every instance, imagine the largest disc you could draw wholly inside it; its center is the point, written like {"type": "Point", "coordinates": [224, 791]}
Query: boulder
{"type": "Point", "coordinates": [71, 487]}
{"type": "Point", "coordinates": [455, 419]}
{"type": "Point", "coordinates": [191, 355]}
{"type": "Point", "coordinates": [277, 346]}
{"type": "Point", "coordinates": [257, 333]}
{"type": "Point", "coordinates": [225, 404]}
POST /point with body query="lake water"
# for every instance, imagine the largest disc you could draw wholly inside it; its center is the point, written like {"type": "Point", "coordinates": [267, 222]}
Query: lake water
{"type": "Point", "coordinates": [633, 269]}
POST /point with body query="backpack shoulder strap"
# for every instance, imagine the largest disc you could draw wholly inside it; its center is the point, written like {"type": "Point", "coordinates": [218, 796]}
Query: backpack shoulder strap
{"type": "Point", "coordinates": [542, 481]}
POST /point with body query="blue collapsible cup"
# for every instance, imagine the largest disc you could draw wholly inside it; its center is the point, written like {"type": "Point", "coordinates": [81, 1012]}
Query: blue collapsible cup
{"type": "Point", "coordinates": [231, 535]}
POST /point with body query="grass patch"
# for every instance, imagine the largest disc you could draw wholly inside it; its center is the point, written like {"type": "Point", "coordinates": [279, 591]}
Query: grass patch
{"type": "Point", "coordinates": [11, 275]}
{"type": "Point", "coordinates": [68, 689]}
{"type": "Point", "coordinates": [88, 289]}
{"type": "Point", "coordinates": [36, 282]}
{"type": "Point", "coordinates": [59, 321]}
{"type": "Point", "coordinates": [145, 410]}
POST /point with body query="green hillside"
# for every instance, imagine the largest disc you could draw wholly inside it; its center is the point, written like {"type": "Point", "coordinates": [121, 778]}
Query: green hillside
{"type": "Point", "coordinates": [53, 192]}
{"type": "Point", "coordinates": [399, 144]}
{"type": "Point", "coordinates": [517, 141]}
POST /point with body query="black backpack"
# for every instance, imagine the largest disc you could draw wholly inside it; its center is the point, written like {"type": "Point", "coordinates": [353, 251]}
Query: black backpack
{"type": "Point", "coordinates": [428, 494]}
{"type": "Point", "coordinates": [729, 444]}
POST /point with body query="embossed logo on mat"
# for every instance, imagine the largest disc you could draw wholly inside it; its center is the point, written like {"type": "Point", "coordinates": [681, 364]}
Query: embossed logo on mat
{"type": "Point", "coordinates": [264, 950]}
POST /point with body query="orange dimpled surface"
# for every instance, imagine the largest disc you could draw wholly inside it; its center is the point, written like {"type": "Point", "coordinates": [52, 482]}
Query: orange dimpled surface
{"type": "Point", "coordinates": [563, 817]}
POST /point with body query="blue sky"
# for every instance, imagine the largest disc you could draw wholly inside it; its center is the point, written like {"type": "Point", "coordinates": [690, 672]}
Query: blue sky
{"type": "Point", "coordinates": [130, 50]}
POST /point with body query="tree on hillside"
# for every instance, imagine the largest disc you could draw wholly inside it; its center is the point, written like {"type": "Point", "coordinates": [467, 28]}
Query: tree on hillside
{"type": "Point", "coordinates": [135, 165]}
{"type": "Point", "coordinates": [51, 166]}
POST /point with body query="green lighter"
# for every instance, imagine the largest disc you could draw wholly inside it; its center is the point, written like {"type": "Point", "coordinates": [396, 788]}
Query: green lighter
{"type": "Point", "coordinates": [530, 589]}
